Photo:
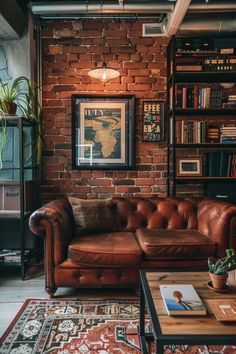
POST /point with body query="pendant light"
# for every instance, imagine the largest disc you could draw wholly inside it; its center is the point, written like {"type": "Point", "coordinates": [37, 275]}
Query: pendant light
{"type": "Point", "coordinates": [103, 73]}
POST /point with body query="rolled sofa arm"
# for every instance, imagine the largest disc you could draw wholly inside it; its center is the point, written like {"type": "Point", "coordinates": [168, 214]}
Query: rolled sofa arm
{"type": "Point", "coordinates": [55, 221]}
{"type": "Point", "coordinates": [217, 220]}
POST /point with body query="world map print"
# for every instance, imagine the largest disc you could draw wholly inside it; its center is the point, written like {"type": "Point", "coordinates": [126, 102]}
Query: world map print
{"type": "Point", "coordinates": [103, 132]}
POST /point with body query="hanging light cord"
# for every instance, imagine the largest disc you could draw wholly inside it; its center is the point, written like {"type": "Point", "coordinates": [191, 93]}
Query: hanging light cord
{"type": "Point", "coordinates": [103, 73]}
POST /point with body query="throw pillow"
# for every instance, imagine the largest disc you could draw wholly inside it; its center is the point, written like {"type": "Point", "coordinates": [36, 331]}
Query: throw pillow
{"type": "Point", "coordinates": [93, 215]}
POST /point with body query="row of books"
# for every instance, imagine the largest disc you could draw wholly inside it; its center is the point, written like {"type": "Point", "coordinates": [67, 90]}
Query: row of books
{"type": "Point", "coordinates": [228, 134]}
{"type": "Point", "coordinates": [189, 131]}
{"type": "Point", "coordinates": [198, 97]}
{"type": "Point", "coordinates": [231, 102]}
{"type": "Point", "coordinates": [220, 164]}
{"type": "Point", "coordinates": [197, 132]}
{"type": "Point", "coordinates": [11, 256]}
{"type": "Point", "coordinates": [211, 64]}
{"type": "Point", "coordinates": [220, 63]}
{"type": "Point", "coordinates": [183, 300]}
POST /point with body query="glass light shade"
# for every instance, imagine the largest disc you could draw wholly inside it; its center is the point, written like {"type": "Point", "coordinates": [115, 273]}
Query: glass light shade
{"type": "Point", "coordinates": [227, 85]}
{"type": "Point", "coordinates": [104, 73]}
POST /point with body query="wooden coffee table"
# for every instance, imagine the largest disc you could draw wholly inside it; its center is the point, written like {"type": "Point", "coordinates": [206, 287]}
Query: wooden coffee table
{"type": "Point", "coordinates": [191, 330]}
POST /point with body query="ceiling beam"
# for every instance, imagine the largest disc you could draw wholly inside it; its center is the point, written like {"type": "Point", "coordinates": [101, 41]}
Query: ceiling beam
{"type": "Point", "coordinates": [12, 19]}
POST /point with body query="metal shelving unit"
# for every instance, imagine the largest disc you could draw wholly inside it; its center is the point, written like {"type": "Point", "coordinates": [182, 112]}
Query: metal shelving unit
{"type": "Point", "coordinates": [25, 172]}
{"type": "Point", "coordinates": [175, 77]}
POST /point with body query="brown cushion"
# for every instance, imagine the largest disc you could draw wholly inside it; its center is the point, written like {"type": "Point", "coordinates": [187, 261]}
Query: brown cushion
{"type": "Point", "coordinates": [159, 244]}
{"type": "Point", "coordinates": [106, 249]}
{"type": "Point", "coordinates": [93, 215]}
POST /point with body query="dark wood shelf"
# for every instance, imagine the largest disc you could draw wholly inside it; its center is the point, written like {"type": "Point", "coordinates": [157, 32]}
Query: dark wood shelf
{"type": "Point", "coordinates": [195, 53]}
{"type": "Point", "coordinates": [205, 178]}
{"type": "Point", "coordinates": [204, 111]}
{"type": "Point", "coordinates": [204, 77]}
{"type": "Point", "coordinates": [205, 145]}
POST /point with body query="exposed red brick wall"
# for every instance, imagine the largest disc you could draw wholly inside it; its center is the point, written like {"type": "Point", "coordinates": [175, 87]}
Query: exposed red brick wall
{"type": "Point", "coordinates": [70, 49]}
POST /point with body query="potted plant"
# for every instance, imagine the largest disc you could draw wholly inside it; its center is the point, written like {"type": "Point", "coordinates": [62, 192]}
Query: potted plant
{"type": "Point", "coordinates": [31, 109]}
{"type": "Point", "coordinates": [11, 95]}
{"type": "Point", "coordinates": [218, 269]}
{"type": "Point", "coordinates": [22, 94]}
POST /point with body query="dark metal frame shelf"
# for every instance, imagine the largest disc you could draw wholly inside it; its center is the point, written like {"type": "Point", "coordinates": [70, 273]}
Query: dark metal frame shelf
{"type": "Point", "coordinates": [204, 111]}
{"type": "Point", "coordinates": [32, 253]}
{"type": "Point", "coordinates": [173, 78]}
{"type": "Point", "coordinates": [205, 145]}
{"type": "Point", "coordinates": [203, 77]}
{"type": "Point", "coordinates": [205, 178]}
{"type": "Point", "coordinates": [22, 215]}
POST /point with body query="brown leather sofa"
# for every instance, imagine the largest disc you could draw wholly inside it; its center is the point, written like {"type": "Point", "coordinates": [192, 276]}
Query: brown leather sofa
{"type": "Point", "coordinates": [156, 233]}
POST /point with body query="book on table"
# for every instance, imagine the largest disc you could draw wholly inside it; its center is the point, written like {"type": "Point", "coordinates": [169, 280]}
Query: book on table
{"type": "Point", "coordinates": [223, 309]}
{"type": "Point", "coordinates": [181, 300]}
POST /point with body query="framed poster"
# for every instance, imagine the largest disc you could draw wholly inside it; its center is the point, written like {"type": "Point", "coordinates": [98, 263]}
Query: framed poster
{"type": "Point", "coordinates": [188, 166]}
{"type": "Point", "coordinates": [153, 113]}
{"type": "Point", "coordinates": [103, 133]}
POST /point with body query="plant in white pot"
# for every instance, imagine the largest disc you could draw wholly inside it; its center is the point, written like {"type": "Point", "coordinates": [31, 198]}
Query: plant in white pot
{"type": "Point", "coordinates": [218, 269]}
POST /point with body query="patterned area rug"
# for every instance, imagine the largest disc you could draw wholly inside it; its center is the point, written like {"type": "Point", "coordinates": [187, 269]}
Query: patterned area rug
{"type": "Point", "coordinates": [82, 327]}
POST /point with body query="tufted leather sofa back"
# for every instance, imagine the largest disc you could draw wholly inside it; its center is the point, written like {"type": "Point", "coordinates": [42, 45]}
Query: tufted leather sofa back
{"type": "Point", "coordinates": [155, 213]}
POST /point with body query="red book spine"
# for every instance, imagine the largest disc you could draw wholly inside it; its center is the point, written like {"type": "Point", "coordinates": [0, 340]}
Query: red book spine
{"type": "Point", "coordinates": [184, 97]}
{"type": "Point", "coordinates": [234, 167]}
{"type": "Point", "coordinates": [195, 96]}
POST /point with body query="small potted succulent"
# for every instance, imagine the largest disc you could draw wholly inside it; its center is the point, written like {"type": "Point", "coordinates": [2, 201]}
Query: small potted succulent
{"type": "Point", "coordinates": [218, 269]}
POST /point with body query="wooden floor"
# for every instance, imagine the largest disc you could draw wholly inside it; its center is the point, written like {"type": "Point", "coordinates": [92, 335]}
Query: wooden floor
{"type": "Point", "coordinates": [14, 291]}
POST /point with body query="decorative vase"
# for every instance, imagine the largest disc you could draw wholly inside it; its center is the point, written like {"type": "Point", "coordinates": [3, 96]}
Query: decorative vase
{"type": "Point", "coordinates": [218, 280]}
{"type": "Point", "coordinates": [9, 107]}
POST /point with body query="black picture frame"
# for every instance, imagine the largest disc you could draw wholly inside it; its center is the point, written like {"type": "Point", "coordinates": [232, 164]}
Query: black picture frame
{"type": "Point", "coordinates": [153, 120]}
{"type": "Point", "coordinates": [103, 132]}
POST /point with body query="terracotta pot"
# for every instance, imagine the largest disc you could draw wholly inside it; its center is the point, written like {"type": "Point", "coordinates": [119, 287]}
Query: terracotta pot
{"type": "Point", "coordinates": [9, 107]}
{"type": "Point", "coordinates": [218, 280]}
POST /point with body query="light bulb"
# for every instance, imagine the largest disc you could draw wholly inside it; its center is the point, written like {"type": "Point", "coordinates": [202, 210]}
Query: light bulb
{"type": "Point", "coordinates": [104, 76]}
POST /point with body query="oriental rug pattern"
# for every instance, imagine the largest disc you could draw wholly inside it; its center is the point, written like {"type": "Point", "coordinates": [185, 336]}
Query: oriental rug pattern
{"type": "Point", "coordinates": [82, 327]}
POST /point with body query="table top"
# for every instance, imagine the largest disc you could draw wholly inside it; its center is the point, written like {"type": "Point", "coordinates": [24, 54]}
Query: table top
{"type": "Point", "coordinates": [188, 325]}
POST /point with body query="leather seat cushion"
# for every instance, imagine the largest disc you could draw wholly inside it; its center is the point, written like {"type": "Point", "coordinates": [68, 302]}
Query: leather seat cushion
{"type": "Point", "coordinates": [172, 244]}
{"type": "Point", "coordinates": [106, 249]}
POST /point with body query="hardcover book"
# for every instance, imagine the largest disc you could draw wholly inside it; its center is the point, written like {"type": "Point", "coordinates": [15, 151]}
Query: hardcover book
{"type": "Point", "coordinates": [189, 67]}
{"type": "Point", "coordinates": [223, 309]}
{"type": "Point", "coordinates": [181, 300]}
